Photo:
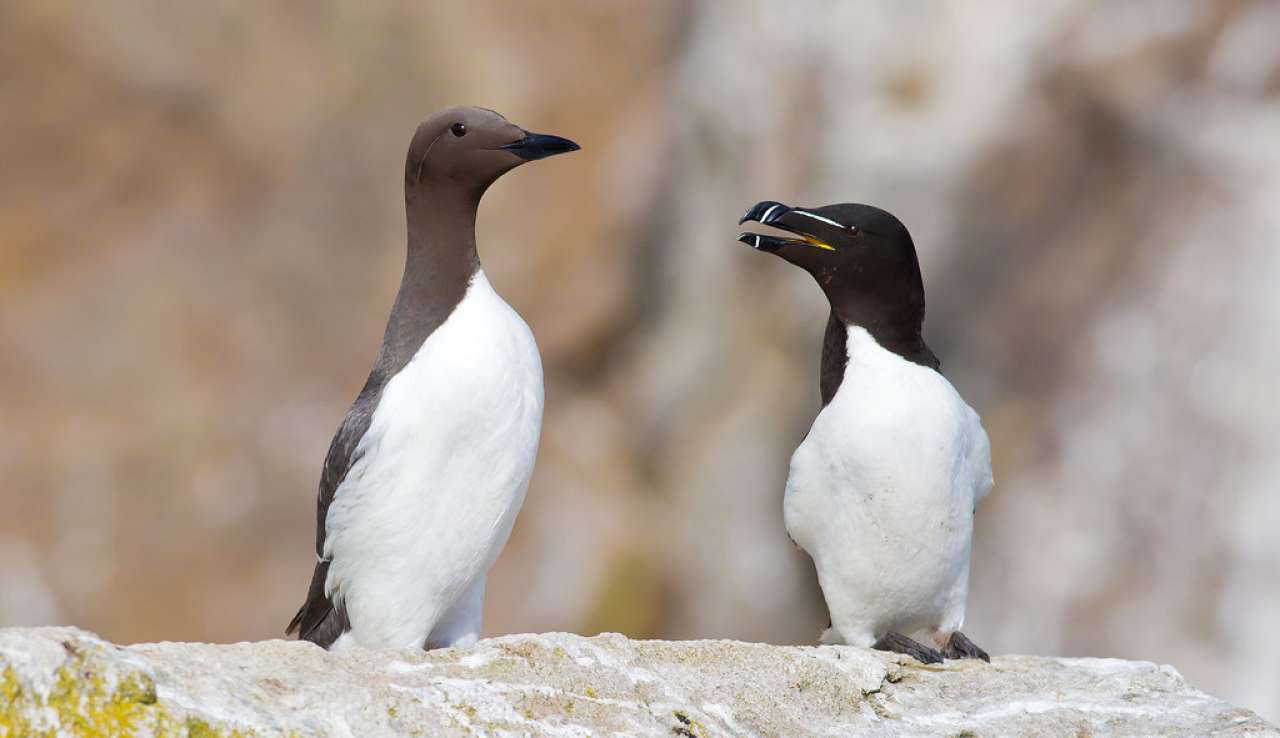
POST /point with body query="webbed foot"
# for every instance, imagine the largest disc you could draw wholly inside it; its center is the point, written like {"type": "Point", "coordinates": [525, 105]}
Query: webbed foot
{"type": "Point", "coordinates": [960, 647]}
{"type": "Point", "coordinates": [898, 643]}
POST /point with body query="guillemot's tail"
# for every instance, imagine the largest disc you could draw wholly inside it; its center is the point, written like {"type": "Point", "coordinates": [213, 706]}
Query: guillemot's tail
{"type": "Point", "coordinates": [319, 620]}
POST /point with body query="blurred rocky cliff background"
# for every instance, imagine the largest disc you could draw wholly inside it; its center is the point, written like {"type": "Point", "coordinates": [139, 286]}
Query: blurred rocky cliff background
{"type": "Point", "coordinates": [201, 231]}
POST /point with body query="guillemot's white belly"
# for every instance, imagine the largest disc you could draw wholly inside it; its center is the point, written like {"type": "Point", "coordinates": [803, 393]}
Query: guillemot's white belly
{"type": "Point", "coordinates": [881, 494]}
{"type": "Point", "coordinates": [440, 475]}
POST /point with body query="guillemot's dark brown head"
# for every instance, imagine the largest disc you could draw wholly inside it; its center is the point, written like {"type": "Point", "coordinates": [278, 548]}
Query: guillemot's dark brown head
{"type": "Point", "coordinates": [467, 148]}
{"type": "Point", "coordinates": [863, 259]}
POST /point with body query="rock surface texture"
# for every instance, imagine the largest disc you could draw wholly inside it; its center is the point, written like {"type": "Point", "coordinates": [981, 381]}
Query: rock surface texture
{"type": "Point", "coordinates": [64, 682]}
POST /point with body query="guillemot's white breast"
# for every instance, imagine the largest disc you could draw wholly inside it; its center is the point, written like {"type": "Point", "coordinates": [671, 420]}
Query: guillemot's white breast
{"type": "Point", "coordinates": [881, 494]}
{"type": "Point", "coordinates": [441, 473]}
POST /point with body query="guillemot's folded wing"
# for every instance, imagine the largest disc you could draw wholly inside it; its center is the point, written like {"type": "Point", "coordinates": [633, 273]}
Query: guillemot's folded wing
{"type": "Point", "coordinates": [319, 620]}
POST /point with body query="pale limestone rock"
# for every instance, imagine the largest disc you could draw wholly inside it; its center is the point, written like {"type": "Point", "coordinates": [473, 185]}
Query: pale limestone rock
{"type": "Point", "coordinates": [565, 685]}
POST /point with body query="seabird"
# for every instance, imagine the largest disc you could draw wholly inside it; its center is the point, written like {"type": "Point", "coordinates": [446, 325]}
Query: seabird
{"type": "Point", "coordinates": [882, 491]}
{"type": "Point", "coordinates": [425, 476]}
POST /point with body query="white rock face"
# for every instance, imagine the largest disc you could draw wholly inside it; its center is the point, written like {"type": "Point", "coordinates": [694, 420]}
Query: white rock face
{"type": "Point", "coordinates": [64, 682]}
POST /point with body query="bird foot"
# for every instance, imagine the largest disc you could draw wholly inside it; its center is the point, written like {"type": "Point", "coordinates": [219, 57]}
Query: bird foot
{"type": "Point", "coordinates": [960, 647]}
{"type": "Point", "coordinates": [898, 643]}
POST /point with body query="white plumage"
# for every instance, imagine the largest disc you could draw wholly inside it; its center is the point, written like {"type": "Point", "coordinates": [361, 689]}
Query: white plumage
{"type": "Point", "coordinates": [882, 493]}
{"type": "Point", "coordinates": [439, 478]}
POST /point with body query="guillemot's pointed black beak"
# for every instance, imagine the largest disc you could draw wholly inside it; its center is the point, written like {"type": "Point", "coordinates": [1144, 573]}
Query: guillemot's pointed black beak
{"type": "Point", "coordinates": [540, 146]}
{"type": "Point", "coordinates": [764, 212]}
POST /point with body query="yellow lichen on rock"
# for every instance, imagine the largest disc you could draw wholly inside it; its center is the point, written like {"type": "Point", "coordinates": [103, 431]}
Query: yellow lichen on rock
{"type": "Point", "coordinates": [57, 682]}
{"type": "Point", "coordinates": [85, 701]}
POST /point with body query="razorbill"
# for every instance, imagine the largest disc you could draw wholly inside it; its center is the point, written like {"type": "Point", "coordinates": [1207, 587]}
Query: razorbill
{"type": "Point", "coordinates": [425, 476]}
{"type": "Point", "coordinates": [882, 491]}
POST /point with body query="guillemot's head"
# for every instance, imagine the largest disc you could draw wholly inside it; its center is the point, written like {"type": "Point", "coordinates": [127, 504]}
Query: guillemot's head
{"type": "Point", "coordinates": [468, 148]}
{"type": "Point", "coordinates": [861, 256]}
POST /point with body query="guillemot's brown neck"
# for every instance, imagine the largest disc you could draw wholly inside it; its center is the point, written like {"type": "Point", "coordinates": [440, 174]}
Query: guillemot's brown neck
{"type": "Point", "coordinates": [453, 157]}
{"type": "Point", "coordinates": [440, 262]}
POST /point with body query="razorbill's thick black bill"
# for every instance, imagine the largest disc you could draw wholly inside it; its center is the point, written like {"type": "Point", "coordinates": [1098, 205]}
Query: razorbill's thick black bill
{"type": "Point", "coordinates": [883, 489]}
{"type": "Point", "coordinates": [424, 478]}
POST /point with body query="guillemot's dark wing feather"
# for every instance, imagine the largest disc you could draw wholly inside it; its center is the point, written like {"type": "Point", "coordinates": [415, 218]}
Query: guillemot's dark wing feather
{"type": "Point", "coordinates": [319, 620]}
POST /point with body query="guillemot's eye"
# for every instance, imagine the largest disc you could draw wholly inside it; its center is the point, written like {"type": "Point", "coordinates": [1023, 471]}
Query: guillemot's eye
{"type": "Point", "coordinates": [458, 129]}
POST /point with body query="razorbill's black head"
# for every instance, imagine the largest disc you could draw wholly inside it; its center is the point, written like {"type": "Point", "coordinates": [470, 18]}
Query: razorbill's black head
{"type": "Point", "coordinates": [863, 259]}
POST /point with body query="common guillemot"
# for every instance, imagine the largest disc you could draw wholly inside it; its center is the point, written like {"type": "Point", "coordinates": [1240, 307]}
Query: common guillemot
{"type": "Point", "coordinates": [426, 474]}
{"type": "Point", "coordinates": [882, 491]}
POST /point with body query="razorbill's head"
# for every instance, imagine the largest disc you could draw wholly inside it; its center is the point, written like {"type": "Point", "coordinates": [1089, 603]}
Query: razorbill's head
{"type": "Point", "coordinates": [861, 256]}
{"type": "Point", "coordinates": [467, 148]}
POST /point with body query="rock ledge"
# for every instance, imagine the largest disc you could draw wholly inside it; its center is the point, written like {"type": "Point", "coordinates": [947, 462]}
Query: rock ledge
{"type": "Point", "coordinates": [66, 682]}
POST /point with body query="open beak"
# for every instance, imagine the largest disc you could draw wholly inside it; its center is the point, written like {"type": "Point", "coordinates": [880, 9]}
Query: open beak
{"type": "Point", "coordinates": [540, 146]}
{"type": "Point", "coordinates": [769, 213]}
